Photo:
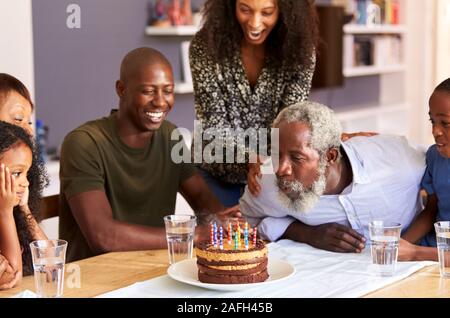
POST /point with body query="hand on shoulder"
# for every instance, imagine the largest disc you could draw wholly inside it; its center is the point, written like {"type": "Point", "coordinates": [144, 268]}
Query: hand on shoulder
{"type": "Point", "coordinates": [347, 136]}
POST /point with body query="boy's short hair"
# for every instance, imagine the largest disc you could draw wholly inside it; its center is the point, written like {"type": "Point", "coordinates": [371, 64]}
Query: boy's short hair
{"type": "Point", "coordinates": [444, 86]}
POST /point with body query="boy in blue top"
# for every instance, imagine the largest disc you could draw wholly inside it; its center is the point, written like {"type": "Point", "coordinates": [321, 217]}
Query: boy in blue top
{"type": "Point", "coordinates": [436, 182]}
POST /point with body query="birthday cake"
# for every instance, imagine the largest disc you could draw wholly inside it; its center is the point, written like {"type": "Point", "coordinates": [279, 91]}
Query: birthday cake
{"type": "Point", "coordinates": [232, 262]}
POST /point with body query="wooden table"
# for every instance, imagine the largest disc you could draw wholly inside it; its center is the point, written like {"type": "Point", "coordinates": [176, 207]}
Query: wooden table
{"type": "Point", "coordinates": [107, 272]}
{"type": "Point", "coordinates": [111, 271]}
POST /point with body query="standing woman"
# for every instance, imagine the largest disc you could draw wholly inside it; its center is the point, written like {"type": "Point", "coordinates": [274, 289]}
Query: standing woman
{"type": "Point", "coordinates": [251, 58]}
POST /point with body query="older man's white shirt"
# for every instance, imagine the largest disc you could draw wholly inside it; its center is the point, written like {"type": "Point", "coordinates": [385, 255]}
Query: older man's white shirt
{"type": "Point", "coordinates": [387, 172]}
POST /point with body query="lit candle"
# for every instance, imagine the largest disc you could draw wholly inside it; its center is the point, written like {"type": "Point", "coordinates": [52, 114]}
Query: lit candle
{"type": "Point", "coordinates": [238, 228]}
{"type": "Point", "coordinates": [221, 237]}
{"type": "Point", "coordinates": [229, 233]}
{"type": "Point", "coordinates": [215, 234]}
{"type": "Point", "coordinates": [211, 230]}
{"type": "Point", "coordinates": [255, 231]}
{"type": "Point", "coordinates": [246, 237]}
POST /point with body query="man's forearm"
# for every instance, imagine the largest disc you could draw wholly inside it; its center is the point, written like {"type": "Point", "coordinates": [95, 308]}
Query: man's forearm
{"type": "Point", "coordinates": [298, 232]}
{"type": "Point", "coordinates": [122, 236]}
{"type": "Point", "coordinates": [103, 233]}
{"type": "Point", "coordinates": [200, 198]}
{"type": "Point", "coordinates": [205, 206]}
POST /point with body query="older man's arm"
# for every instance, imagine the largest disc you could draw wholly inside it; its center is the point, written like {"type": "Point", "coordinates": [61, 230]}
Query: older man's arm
{"type": "Point", "coordinates": [263, 211]}
{"type": "Point", "coordinates": [330, 236]}
{"type": "Point", "coordinates": [271, 228]}
{"type": "Point", "coordinates": [274, 222]}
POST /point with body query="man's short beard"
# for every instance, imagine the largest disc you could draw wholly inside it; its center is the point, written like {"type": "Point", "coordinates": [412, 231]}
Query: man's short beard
{"type": "Point", "coordinates": [300, 198]}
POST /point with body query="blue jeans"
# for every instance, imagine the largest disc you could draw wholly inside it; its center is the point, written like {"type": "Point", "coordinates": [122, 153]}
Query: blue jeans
{"type": "Point", "coordinates": [227, 193]}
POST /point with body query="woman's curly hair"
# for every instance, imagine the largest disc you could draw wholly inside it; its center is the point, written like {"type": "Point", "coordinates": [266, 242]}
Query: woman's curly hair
{"type": "Point", "coordinates": [292, 41]}
{"type": "Point", "coordinates": [12, 136]}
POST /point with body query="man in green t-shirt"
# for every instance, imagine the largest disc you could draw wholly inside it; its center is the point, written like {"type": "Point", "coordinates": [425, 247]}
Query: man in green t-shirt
{"type": "Point", "coordinates": [117, 176]}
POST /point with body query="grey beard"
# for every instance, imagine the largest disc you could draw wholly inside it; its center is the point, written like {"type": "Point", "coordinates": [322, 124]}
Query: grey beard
{"type": "Point", "coordinates": [302, 199]}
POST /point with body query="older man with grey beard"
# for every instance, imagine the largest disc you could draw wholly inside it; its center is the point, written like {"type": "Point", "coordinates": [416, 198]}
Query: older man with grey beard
{"type": "Point", "coordinates": [325, 192]}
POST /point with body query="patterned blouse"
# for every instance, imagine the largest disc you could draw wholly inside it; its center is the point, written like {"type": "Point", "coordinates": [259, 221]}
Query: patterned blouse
{"type": "Point", "coordinates": [225, 99]}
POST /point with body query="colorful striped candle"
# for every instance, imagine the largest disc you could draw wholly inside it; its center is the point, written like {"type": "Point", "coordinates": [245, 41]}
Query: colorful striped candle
{"type": "Point", "coordinates": [211, 230]}
{"type": "Point", "coordinates": [230, 235]}
{"type": "Point", "coordinates": [236, 243]}
{"type": "Point", "coordinates": [221, 237]}
{"type": "Point", "coordinates": [238, 228]}
{"type": "Point", "coordinates": [246, 237]}
{"type": "Point", "coordinates": [255, 232]}
{"type": "Point", "coordinates": [215, 235]}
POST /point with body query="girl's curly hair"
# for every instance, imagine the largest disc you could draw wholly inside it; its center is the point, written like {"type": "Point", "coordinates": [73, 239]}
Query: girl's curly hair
{"type": "Point", "coordinates": [292, 41]}
{"type": "Point", "coordinates": [12, 136]}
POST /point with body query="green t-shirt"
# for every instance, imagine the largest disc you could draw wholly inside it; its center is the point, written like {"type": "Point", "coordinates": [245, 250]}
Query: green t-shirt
{"type": "Point", "coordinates": [141, 184]}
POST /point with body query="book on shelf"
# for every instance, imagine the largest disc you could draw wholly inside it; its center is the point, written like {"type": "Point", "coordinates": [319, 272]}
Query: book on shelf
{"type": "Point", "coordinates": [374, 12]}
{"type": "Point", "coordinates": [367, 50]}
{"type": "Point", "coordinates": [186, 69]}
{"type": "Point", "coordinates": [363, 51]}
{"type": "Point", "coordinates": [348, 55]}
{"type": "Point", "coordinates": [387, 50]}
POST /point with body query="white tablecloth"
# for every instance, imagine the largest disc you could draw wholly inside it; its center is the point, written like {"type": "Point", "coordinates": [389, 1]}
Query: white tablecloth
{"type": "Point", "coordinates": [318, 274]}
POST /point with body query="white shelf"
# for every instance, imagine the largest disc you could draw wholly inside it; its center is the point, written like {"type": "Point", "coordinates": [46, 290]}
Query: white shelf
{"type": "Point", "coordinates": [384, 119]}
{"type": "Point", "coordinates": [183, 30]}
{"type": "Point", "coordinates": [355, 114]}
{"type": "Point", "coordinates": [374, 29]}
{"type": "Point", "coordinates": [183, 88]}
{"type": "Point", "coordinates": [372, 70]}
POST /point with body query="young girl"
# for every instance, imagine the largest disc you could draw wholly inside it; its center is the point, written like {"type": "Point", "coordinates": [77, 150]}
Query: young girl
{"type": "Point", "coordinates": [22, 179]}
{"type": "Point", "coordinates": [435, 182]}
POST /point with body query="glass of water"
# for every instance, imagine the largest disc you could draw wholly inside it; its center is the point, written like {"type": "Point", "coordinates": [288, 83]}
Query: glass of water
{"type": "Point", "coordinates": [384, 237]}
{"type": "Point", "coordinates": [443, 244]}
{"type": "Point", "coordinates": [180, 230]}
{"type": "Point", "coordinates": [49, 257]}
